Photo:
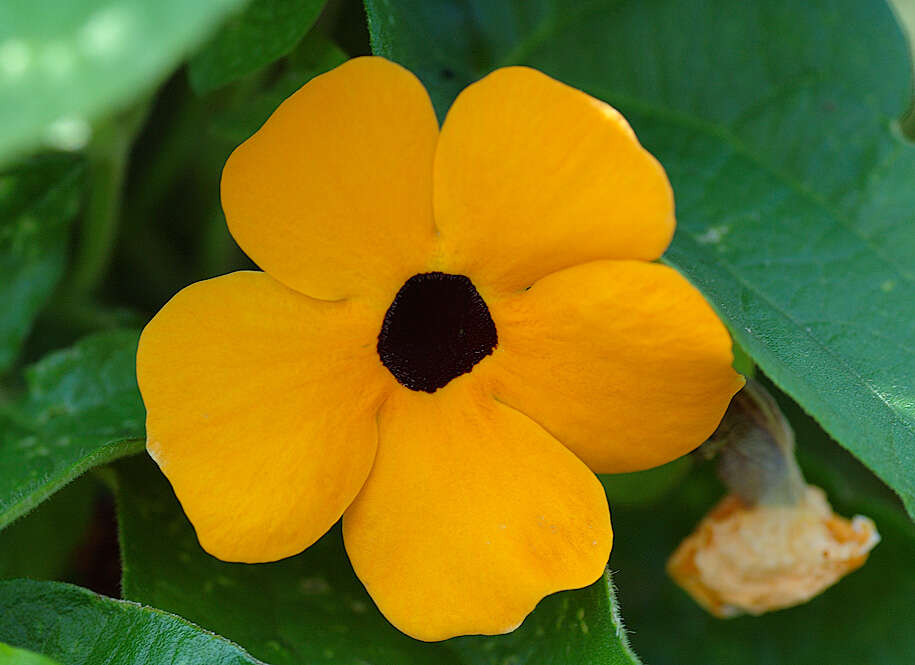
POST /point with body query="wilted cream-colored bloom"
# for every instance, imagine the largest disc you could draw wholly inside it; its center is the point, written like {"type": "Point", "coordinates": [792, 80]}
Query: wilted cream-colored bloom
{"type": "Point", "coordinates": [755, 559]}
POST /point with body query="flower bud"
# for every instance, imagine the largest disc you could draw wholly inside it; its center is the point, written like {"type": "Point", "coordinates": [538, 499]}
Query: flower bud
{"type": "Point", "coordinates": [773, 542]}
{"type": "Point", "coordinates": [755, 559]}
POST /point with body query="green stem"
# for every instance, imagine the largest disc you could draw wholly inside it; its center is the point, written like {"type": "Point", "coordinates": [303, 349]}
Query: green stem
{"type": "Point", "coordinates": [108, 155]}
{"type": "Point", "coordinates": [216, 247]}
{"type": "Point", "coordinates": [907, 124]}
{"type": "Point", "coordinates": [179, 138]}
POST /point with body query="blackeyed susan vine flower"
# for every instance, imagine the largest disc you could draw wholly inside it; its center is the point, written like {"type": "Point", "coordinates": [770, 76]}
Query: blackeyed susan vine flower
{"type": "Point", "coordinates": [454, 329]}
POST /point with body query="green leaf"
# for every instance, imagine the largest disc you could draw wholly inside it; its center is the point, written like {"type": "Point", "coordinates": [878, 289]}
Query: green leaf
{"type": "Point", "coordinates": [581, 627]}
{"type": "Point", "coordinates": [62, 64]}
{"type": "Point", "coordinates": [865, 618]}
{"type": "Point", "coordinates": [41, 544]}
{"type": "Point", "coordinates": [905, 10]}
{"type": "Point", "coordinates": [38, 200]}
{"type": "Point", "coordinates": [794, 193]}
{"type": "Point", "coordinates": [238, 121]}
{"type": "Point", "coordinates": [78, 627]}
{"type": "Point", "coordinates": [311, 608]}
{"type": "Point", "coordinates": [13, 656]}
{"type": "Point", "coordinates": [265, 31]}
{"type": "Point", "coordinates": [83, 409]}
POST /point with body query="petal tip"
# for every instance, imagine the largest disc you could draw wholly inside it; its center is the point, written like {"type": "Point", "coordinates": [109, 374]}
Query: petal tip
{"type": "Point", "coordinates": [340, 173]}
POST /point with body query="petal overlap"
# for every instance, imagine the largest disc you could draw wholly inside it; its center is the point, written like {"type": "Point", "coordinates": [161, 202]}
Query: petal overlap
{"type": "Point", "coordinates": [261, 411]}
{"type": "Point", "coordinates": [471, 514]}
{"type": "Point", "coordinates": [333, 195]}
{"type": "Point", "coordinates": [623, 361]}
{"type": "Point", "coordinates": [532, 176]}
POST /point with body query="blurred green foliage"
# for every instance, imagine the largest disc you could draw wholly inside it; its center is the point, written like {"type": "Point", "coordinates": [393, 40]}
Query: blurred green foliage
{"type": "Point", "coordinates": [41, 545]}
{"type": "Point", "coordinates": [13, 656]}
{"type": "Point", "coordinates": [263, 33]}
{"type": "Point", "coordinates": [39, 198]}
{"type": "Point", "coordinates": [63, 64]}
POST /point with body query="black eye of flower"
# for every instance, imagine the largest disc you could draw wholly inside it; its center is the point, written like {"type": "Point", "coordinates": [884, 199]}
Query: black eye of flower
{"type": "Point", "coordinates": [437, 328]}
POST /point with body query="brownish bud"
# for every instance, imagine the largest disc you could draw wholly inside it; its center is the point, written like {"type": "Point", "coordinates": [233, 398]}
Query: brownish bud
{"type": "Point", "coordinates": [773, 542]}
{"type": "Point", "coordinates": [755, 559]}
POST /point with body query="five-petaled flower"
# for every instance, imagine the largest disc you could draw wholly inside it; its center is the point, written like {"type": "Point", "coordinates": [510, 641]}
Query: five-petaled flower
{"type": "Point", "coordinates": [454, 329]}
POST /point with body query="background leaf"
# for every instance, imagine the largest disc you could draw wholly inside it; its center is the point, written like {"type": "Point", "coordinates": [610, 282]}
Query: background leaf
{"type": "Point", "coordinates": [78, 627]}
{"type": "Point", "coordinates": [865, 618]}
{"type": "Point", "coordinates": [794, 193]}
{"type": "Point", "coordinates": [41, 544]}
{"type": "Point", "coordinates": [237, 122]}
{"type": "Point", "coordinates": [311, 608]}
{"type": "Point", "coordinates": [62, 64]}
{"type": "Point", "coordinates": [647, 486]}
{"type": "Point", "coordinates": [83, 408]}
{"type": "Point", "coordinates": [13, 656]}
{"type": "Point", "coordinates": [38, 200]}
{"type": "Point", "coordinates": [265, 31]}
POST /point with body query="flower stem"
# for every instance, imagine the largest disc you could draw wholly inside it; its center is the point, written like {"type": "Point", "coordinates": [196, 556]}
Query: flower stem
{"type": "Point", "coordinates": [108, 155]}
{"type": "Point", "coordinates": [754, 446]}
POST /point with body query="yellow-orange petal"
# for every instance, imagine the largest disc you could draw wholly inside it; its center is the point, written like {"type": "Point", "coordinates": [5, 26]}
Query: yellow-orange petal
{"type": "Point", "coordinates": [623, 361]}
{"type": "Point", "coordinates": [333, 195]}
{"type": "Point", "coordinates": [532, 176]}
{"type": "Point", "coordinates": [472, 513]}
{"type": "Point", "coordinates": [261, 408]}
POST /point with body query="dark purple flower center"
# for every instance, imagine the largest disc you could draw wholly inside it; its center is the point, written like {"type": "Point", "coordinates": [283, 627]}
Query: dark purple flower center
{"type": "Point", "coordinates": [437, 328]}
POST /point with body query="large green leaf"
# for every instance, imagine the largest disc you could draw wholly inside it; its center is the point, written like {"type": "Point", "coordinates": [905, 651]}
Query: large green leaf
{"type": "Point", "coordinates": [77, 627]}
{"type": "Point", "coordinates": [265, 31]}
{"type": "Point", "coordinates": [64, 63]}
{"type": "Point", "coordinates": [865, 618]}
{"type": "Point", "coordinates": [38, 200]}
{"type": "Point", "coordinates": [83, 408]}
{"type": "Point", "coordinates": [13, 656]}
{"type": "Point", "coordinates": [794, 194]}
{"type": "Point", "coordinates": [311, 608]}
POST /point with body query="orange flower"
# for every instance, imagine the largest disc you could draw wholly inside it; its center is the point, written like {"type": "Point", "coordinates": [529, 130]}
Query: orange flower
{"type": "Point", "coordinates": [453, 326]}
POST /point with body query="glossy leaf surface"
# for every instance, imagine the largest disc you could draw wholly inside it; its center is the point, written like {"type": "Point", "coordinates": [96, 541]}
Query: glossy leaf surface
{"type": "Point", "coordinates": [82, 409]}
{"type": "Point", "coordinates": [72, 625]}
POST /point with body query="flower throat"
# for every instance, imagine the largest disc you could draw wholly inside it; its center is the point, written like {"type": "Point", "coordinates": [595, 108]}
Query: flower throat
{"type": "Point", "coordinates": [437, 328]}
